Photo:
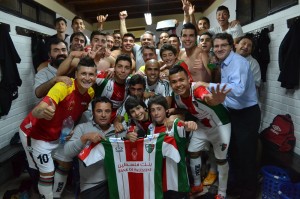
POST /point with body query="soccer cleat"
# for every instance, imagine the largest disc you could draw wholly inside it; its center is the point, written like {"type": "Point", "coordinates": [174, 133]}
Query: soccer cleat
{"type": "Point", "coordinates": [219, 196]}
{"type": "Point", "coordinates": [210, 179]}
{"type": "Point", "coordinates": [196, 189]}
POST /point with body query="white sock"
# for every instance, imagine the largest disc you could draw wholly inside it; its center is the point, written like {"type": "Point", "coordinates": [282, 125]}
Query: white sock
{"type": "Point", "coordinates": [223, 178]}
{"type": "Point", "coordinates": [60, 179]}
{"type": "Point", "coordinates": [212, 161]}
{"type": "Point", "coordinates": [195, 164]}
{"type": "Point", "coordinates": [45, 187]}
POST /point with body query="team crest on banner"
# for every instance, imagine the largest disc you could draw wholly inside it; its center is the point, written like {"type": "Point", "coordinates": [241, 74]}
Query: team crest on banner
{"type": "Point", "coordinates": [149, 147]}
{"type": "Point", "coordinates": [134, 153]}
{"type": "Point", "coordinates": [119, 149]}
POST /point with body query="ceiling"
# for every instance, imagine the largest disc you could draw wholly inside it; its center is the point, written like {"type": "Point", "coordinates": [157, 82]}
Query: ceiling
{"type": "Point", "coordinates": [89, 9]}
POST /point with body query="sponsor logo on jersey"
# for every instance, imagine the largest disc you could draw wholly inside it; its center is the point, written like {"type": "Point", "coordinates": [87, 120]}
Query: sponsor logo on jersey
{"type": "Point", "coordinates": [223, 146]}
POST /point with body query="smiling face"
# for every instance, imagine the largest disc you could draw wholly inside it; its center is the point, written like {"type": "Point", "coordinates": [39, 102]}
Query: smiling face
{"type": "Point", "coordinates": [202, 24]}
{"type": "Point", "coordinates": [78, 25]}
{"type": "Point", "coordinates": [244, 47]}
{"type": "Point", "coordinates": [180, 84]}
{"type": "Point", "coordinates": [221, 48]}
{"type": "Point", "coordinates": [147, 40]}
{"type": "Point", "coordinates": [102, 113]}
{"type": "Point", "coordinates": [98, 41]}
{"type": "Point", "coordinates": [174, 42]}
{"type": "Point", "coordinates": [128, 43]}
{"type": "Point", "coordinates": [110, 41]}
{"type": "Point", "coordinates": [158, 113]}
{"type": "Point", "coordinates": [169, 58]}
{"type": "Point", "coordinates": [148, 54]}
{"type": "Point", "coordinates": [188, 38]}
{"type": "Point", "coordinates": [85, 77]}
{"type": "Point", "coordinates": [152, 71]}
{"type": "Point", "coordinates": [117, 39]}
{"type": "Point", "coordinates": [223, 17]}
{"type": "Point", "coordinates": [77, 43]}
{"type": "Point", "coordinates": [138, 113]}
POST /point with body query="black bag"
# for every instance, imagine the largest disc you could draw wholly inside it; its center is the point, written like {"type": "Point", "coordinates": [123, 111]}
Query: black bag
{"type": "Point", "coordinates": [279, 135]}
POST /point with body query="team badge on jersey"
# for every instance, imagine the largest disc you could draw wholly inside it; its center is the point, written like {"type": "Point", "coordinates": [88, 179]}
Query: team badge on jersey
{"type": "Point", "coordinates": [223, 146]}
{"type": "Point", "coordinates": [149, 147]}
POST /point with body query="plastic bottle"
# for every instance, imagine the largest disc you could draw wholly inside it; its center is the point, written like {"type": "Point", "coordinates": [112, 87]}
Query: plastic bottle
{"type": "Point", "coordinates": [67, 127]}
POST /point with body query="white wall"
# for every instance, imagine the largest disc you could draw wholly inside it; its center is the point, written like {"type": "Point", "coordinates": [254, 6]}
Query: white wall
{"type": "Point", "coordinates": [24, 103]}
{"type": "Point", "coordinates": [275, 99]}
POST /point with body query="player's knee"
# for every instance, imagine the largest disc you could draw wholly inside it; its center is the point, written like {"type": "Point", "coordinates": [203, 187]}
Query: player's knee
{"type": "Point", "coordinates": [195, 155]}
{"type": "Point", "coordinates": [221, 161]}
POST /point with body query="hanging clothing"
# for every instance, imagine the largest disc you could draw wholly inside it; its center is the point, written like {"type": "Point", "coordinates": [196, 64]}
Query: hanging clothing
{"type": "Point", "coordinates": [10, 75]}
{"type": "Point", "coordinates": [38, 50]}
{"type": "Point", "coordinates": [261, 52]}
{"type": "Point", "coordinates": [289, 58]}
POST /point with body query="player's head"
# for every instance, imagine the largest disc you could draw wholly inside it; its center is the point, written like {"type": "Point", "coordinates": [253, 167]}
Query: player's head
{"type": "Point", "coordinates": [158, 106]}
{"type": "Point", "coordinates": [102, 110]}
{"type": "Point", "coordinates": [136, 85]}
{"type": "Point", "coordinates": [179, 80]}
{"type": "Point", "coordinates": [86, 73]}
{"type": "Point", "coordinates": [136, 108]}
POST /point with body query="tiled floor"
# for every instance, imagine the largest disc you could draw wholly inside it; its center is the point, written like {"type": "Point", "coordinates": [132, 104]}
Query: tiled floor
{"type": "Point", "coordinates": [68, 193]}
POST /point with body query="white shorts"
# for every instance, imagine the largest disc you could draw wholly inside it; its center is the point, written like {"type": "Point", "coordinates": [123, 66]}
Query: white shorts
{"type": "Point", "coordinates": [218, 136]}
{"type": "Point", "coordinates": [40, 154]}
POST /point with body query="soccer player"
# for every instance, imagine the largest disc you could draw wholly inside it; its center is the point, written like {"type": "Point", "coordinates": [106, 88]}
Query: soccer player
{"type": "Point", "coordinates": [176, 182]}
{"type": "Point", "coordinates": [41, 129]}
{"type": "Point", "coordinates": [93, 181]}
{"type": "Point", "coordinates": [213, 122]}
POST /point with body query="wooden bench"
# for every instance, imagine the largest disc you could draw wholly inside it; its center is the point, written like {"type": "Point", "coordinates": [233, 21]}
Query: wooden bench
{"type": "Point", "coordinates": [289, 161]}
{"type": "Point", "coordinates": [12, 158]}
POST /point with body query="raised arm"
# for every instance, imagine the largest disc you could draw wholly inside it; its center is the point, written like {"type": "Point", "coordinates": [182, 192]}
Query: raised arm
{"type": "Point", "coordinates": [123, 28]}
{"type": "Point", "coordinates": [101, 19]}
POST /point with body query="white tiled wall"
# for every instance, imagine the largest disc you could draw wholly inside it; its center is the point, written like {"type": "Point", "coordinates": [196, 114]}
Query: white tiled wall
{"type": "Point", "coordinates": [275, 99]}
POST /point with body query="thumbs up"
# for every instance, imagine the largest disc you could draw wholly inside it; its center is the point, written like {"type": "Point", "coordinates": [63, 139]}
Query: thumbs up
{"type": "Point", "coordinates": [49, 111]}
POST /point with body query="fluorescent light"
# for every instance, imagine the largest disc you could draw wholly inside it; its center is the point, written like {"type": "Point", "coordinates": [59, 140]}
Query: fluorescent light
{"type": "Point", "coordinates": [148, 18]}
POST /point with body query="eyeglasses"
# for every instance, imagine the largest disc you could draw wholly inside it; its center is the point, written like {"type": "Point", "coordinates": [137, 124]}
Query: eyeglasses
{"type": "Point", "coordinates": [222, 46]}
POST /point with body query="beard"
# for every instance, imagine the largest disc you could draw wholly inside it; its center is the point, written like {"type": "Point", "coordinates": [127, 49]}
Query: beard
{"type": "Point", "coordinates": [57, 61]}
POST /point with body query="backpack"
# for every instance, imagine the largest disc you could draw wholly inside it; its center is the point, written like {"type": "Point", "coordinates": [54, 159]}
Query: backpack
{"type": "Point", "coordinates": [279, 135]}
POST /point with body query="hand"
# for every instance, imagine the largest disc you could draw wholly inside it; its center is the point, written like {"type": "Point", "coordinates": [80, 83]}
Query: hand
{"type": "Point", "coordinates": [233, 23]}
{"type": "Point", "coordinates": [102, 18]}
{"type": "Point", "coordinates": [118, 126]}
{"type": "Point", "coordinates": [94, 137]}
{"type": "Point", "coordinates": [171, 111]}
{"type": "Point", "coordinates": [132, 136]}
{"type": "Point", "coordinates": [148, 94]}
{"type": "Point", "coordinates": [92, 53]}
{"type": "Point", "coordinates": [198, 84]}
{"type": "Point", "coordinates": [78, 54]}
{"type": "Point", "coordinates": [139, 73]}
{"type": "Point", "coordinates": [198, 63]}
{"type": "Point", "coordinates": [49, 110]}
{"type": "Point", "coordinates": [68, 137]}
{"type": "Point", "coordinates": [106, 52]}
{"type": "Point", "coordinates": [185, 6]}
{"type": "Point", "coordinates": [110, 73]}
{"type": "Point", "coordinates": [123, 14]}
{"type": "Point", "coordinates": [191, 9]}
{"type": "Point", "coordinates": [190, 125]}
{"type": "Point", "coordinates": [67, 80]}
{"type": "Point", "coordinates": [168, 123]}
{"type": "Point", "coordinates": [217, 95]}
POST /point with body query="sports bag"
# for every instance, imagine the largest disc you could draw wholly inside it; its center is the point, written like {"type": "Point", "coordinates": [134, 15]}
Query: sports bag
{"type": "Point", "coordinates": [280, 134]}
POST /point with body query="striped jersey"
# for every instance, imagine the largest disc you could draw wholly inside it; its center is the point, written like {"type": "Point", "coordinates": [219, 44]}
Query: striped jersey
{"type": "Point", "coordinates": [133, 168]}
{"type": "Point", "coordinates": [210, 116]}
{"type": "Point", "coordinates": [68, 101]}
{"type": "Point", "coordinates": [161, 87]}
{"type": "Point", "coordinates": [112, 90]}
{"type": "Point", "coordinates": [175, 176]}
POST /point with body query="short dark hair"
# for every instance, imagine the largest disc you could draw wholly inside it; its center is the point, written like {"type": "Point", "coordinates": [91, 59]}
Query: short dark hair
{"type": "Point", "coordinates": [189, 26]}
{"type": "Point", "coordinates": [224, 36]}
{"type": "Point", "coordinates": [132, 102]}
{"type": "Point", "coordinates": [75, 18]}
{"type": "Point", "coordinates": [208, 34]}
{"type": "Point", "coordinates": [57, 20]}
{"type": "Point", "coordinates": [97, 32]}
{"type": "Point", "coordinates": [124, 57]}
{"type": "Point", "coordinates": [166, 47]}
{"type": "Point", "coordinates": [176, 69]}
{"type": "Point", "coordinates": [150, 47]}
{"type": "Point", "coordinates": [220, 8]}
{"type": "Point", "coordinates": [158, 99]}
{"type": "Point", "coordinates": [205, 19]}
{"type": "Point", "coordinates": [78, 34]}
{"type": "Point", "coordinates": [86, 62]}
{"type": "Point", "coordinates": [54, 41]}
{"type": "Point", "coordinates": [103, 99]}
{"type": "Point", "coordinates": [129, 34]}
{"type": "Point", "coordinates": [136, 79]}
